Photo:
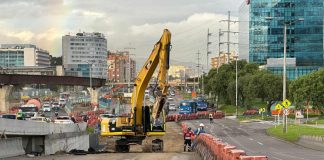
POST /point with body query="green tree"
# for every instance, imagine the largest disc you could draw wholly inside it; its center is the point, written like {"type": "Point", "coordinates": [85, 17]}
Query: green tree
{"type": "Point", "coordinates": [309, 88]}
{"type": "Point", "coordinates": [55, 60]}
{"type": "Point", "coordinates": [266, 86]}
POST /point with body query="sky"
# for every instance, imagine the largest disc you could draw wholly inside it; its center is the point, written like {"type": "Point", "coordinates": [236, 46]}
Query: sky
{"type": "Point", "coordinates": [126, 23]}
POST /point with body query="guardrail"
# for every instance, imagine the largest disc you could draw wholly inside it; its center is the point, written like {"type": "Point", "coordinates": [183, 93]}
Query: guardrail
{"type": "Point", "coordinates": [212, 148]}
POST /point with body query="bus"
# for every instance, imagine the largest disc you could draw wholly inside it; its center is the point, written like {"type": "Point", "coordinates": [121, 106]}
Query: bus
{"type": "Point", "coordinates": [187, 107]}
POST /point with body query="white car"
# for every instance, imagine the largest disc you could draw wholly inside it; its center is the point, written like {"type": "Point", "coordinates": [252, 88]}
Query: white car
{"type": "Point", "coordinates": [46, 107]}
{"type": "Point", "coordinates": [62, 102]}
{"type": "Point", "coordinates": [63, 120]}
{"type": "Point", "coordinates": [172, 107]}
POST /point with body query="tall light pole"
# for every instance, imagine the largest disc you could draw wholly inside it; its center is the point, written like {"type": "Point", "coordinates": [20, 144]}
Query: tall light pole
{"type": "Point", "coordinates": [236, 85]}
{"type": "Point", "coordinates": [284, 87]}
{"type": "Point", "coordinates": [90, 63]}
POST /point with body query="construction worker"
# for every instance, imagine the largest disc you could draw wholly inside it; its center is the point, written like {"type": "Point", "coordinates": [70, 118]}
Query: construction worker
{"type": "Point", "coordinates": [20, 115]}
{"type": "Point", "coordinates": [200, 129]}
{"type": "Point", "coordinates": [211, 118]}
{"type": "Point", "coordinates": [197, 133]}
{"type": "Point", "coordinates": [187, 139]}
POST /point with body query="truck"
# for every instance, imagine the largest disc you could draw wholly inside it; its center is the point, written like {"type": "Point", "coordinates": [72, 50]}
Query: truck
{"type": "Point", "coordinates": [144, 121]}
{"type": "Point", "coordinates": [187, 107]}
{"type": "Point", "coordinates": [201, 106]}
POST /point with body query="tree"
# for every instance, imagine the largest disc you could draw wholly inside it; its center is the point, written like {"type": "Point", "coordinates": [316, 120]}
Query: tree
{"type": "Point", "coordinates": [55, 60]}
{"type": "Point", "coordinates": [266, 86]}
{"type": "Point", "coordinates": [308, 88]}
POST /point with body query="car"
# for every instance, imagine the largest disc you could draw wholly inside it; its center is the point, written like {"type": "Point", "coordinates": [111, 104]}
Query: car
{"type": "Point", "coordinates": [55, 104]}
{"type": "Point", "coordinates": [62, 102]}
{"type": "Point", "coordinates": [63, 120]}
{"type": "Point", "coordinates": [172, 107]}
{"type": "Point", "coordinates": [8, 116]}
{"type": "Point", "coordinates": [46, 109]}
{"type": "Point", "coordinates": [170, 99]}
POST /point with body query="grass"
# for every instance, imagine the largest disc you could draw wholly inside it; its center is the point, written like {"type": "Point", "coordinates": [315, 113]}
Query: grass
{"type": "Point", "coordinates": [230, 109]}
{"type": "Point", "coordinates": [319, 121]}
{"type": "Point", "coordinates": [294, 132]}
{"type": "Point", "coordinates": [255, 117]}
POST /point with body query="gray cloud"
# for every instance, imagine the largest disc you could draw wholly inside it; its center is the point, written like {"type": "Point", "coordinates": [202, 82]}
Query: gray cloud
{"type": "Point", "coordinates": [126, 23]}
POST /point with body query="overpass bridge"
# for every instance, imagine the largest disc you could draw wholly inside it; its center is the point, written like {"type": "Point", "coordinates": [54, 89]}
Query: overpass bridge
{"type": "Point", "coordinates": [7, 81]}
{"type": "Point", "coordinates": [190, 84]}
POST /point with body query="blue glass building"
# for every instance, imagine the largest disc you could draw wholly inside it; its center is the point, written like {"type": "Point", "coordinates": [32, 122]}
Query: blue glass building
{"type": "Point", "coordinates": [305, 48]}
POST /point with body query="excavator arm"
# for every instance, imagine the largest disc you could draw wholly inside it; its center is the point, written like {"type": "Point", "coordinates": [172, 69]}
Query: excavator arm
{"type": "Point", "coordinates": [159, 56]}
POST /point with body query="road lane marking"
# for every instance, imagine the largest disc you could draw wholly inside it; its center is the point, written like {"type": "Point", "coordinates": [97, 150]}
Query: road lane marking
{"type": "Point", "coordinates": [260, 143]}
{"type": "Point", "coordinates": [251, 139]}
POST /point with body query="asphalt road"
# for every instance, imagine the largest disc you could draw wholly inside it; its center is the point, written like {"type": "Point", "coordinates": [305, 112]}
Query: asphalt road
{"type": "Point", "coordinates": [252, 138]}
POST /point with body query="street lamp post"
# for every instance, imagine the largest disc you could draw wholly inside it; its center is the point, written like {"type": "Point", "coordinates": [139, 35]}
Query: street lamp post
{"type": "Point", "coordinates": [284, 85]}
{"type": "Point", "coordinates": [236, 84]}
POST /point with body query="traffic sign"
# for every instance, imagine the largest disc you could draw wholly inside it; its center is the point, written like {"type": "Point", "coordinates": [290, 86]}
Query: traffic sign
{"type": "Point", "coordinates": [261, 110]}
{"type": "Point", "coordinates": [278, 107]}
{"type": "Point", "coordinates": [286, 112]}
{"type": "Point", "coordinates": [286, 103]}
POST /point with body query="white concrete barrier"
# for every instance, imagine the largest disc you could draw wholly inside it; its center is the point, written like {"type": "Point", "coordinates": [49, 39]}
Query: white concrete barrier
{"type": "Point", "coordinates": [11, 147]}
{"type": "Point", "coordinates": [20, 127]}
{"type": "Point", "coordinates": [66, 142]}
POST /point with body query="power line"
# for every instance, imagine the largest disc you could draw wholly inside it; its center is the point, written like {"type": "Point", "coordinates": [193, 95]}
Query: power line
{"type": "Point", "coordinates": [207, 49]}
{"type": "Point", "coordinates": [228, 42]}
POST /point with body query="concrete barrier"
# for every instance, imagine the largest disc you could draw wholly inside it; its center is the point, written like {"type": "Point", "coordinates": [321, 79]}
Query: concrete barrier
{"type": "Point", "coordinates": [11, 147]}
{"type": "Point", "coordinates": [211, 148]}
{"type": "Point", "coordinates": [313, 142]}
{"type": "Point", "coordinates": [19, 127]}
{"type": "Point", "coordinates": [66, 142]}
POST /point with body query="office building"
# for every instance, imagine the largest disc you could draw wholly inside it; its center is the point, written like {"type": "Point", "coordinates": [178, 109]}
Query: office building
{"type": "Point", "coordinates": [304, 38]}
{"type": "Point", "coordinates": [19, 55]}
{"type": "Point", "coordinates": [120, 66]}
{"type": "Point", "coordinates": [84, 51]}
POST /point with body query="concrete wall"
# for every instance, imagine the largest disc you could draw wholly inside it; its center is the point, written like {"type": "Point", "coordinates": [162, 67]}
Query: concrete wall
{"type": "Point", "coordinates": [66, 142]}
{"type": "Point", "coordinates": [313, 142]}
{"type": "Point", "coordinates": [11, 147]}
{"type": "Point", "coordinates": [4, 96]}
{"type": "Point", "coordinates": [19, 127]}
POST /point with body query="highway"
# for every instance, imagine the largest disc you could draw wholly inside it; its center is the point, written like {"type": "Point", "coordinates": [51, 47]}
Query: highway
{"type": "Point", "coordinates": [252, 138]}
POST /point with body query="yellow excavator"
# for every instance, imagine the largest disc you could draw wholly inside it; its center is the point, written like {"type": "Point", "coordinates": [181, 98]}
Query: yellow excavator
{"type": "Point", "coordinates": [144, 121]}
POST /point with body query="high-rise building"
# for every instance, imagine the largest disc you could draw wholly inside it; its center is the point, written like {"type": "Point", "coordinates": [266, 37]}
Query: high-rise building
{"type": "Point", "coordinates": [243, 37]}
{"type": "Point", "coordinates": [84, 51]}
{"type": "Point", "coordinates": [304, 38]}
{"type": "Point", "coordinates": [119, 67]}
{"type": "Point", "coordinates": [18, 55]}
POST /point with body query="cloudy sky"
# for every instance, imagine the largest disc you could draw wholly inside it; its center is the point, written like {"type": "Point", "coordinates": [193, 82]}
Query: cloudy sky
{"type": "Point", "coordinates": [126, 23]}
